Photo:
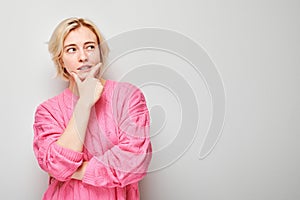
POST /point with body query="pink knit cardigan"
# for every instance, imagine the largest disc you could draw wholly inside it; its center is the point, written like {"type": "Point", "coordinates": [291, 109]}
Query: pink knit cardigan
{"type": "Point", "coordinates": [117, 145]}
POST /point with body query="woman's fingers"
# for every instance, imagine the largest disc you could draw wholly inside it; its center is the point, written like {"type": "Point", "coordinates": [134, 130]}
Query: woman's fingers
{"type": "Point", "coordinates": [95, 70]}
{"type": "Point", "coordinates": [89, 87]}
{"type": "Point", "coordinates": [76, 78]}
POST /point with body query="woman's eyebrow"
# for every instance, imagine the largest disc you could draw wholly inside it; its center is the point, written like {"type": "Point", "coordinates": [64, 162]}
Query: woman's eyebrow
{"type": "Point", "coordinates": [69, 45]}
{"type": "Point", "coordinates": [89, 42]}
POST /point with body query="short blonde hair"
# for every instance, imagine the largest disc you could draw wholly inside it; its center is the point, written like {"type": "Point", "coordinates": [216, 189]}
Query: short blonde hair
{"type": "Point", "coordinates": [55, 45]}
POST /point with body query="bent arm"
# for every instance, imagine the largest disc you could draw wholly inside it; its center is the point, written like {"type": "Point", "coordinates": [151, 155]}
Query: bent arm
{"type": "Point", "coordinates": [58, 161]}
{"type": "Point", "coordinates": [90, 91]}
{"type": "Point", "coordinates": [74, 134]}
{"type": "Point", "coordinates": [59, 148]}
{"type": "Point", "coordinates": [128, 161]}
{"type": "Point", "coordinates": [117, 168]}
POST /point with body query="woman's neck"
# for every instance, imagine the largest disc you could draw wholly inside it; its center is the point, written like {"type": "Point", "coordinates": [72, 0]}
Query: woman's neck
{"type": "Point", "coordinates": [73, 86]}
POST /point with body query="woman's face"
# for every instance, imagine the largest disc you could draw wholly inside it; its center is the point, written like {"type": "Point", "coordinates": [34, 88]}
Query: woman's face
{"type": "Point", "coordinates": [80, 51]}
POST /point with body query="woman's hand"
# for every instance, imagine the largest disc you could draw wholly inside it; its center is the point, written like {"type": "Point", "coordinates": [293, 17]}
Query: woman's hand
{"type": "Point", "coordinates": [80, 171]}
{"type": "Point", "coordinates": [90, 88]}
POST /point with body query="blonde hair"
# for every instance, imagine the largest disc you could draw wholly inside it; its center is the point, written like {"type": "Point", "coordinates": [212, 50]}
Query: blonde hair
{"type": "Point", "coordinates": [55, 45]}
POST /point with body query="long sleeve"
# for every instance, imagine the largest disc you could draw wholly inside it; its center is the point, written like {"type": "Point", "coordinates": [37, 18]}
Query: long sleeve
{"type": "Point", "coordinates": [59, 162]}
{"type": "Point", "coordinates": [128, 161]}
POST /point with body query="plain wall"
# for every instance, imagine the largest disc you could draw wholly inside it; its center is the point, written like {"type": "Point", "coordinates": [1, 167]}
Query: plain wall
{"type": "Point", "coordinates": [255, 46]}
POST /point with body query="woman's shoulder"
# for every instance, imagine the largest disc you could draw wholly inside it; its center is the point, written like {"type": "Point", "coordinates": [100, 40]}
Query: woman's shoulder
{"type": "Point", "coordinates": [122, 86]}
{"type": "Point", "coordinates": [122, 89]}
{"type": "Point", "coordinates": [53, 102]}
{"type": "Point", "coordinates": [116, 83]}
{"type": "Point", "coordinates": [123, 92]}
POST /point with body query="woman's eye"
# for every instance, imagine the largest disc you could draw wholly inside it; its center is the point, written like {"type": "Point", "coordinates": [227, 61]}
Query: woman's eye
{"type": "Point", "coordinates": [91, 47]}
{"type": "Point", "coordinates": [71, 50]}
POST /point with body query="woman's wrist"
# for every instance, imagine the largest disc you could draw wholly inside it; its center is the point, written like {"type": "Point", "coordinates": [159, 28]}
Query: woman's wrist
{"type": "Point", "coordinates": [78, 175]}
{"type": "Point", "coordinates": [83, 104]}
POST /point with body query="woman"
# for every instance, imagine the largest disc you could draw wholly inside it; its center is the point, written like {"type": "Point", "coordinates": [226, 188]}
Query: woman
{"type": "Point", "coordinates": [92, 138]}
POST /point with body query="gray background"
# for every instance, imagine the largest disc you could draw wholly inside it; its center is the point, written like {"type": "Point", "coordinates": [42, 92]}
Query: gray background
{"type": "Point", "coordinates": [255, 45]}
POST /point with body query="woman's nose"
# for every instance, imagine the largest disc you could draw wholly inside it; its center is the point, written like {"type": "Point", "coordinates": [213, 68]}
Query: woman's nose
{"type": "Point", "coordinates": [82, 57]}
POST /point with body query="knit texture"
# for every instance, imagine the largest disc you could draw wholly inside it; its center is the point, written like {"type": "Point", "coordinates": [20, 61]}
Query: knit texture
{"type": "Point", "coordinates": [117, 145]}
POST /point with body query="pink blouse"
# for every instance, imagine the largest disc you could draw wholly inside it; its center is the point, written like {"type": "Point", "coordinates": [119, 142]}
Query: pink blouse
{"type": "Point", "coordinates": [117, 145]}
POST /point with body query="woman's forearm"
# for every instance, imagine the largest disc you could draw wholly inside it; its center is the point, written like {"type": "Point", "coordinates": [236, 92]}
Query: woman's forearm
{"type": "Point", "coordinates": [89, 90]}
{"type": "Point", "coordinates": [74, 134]}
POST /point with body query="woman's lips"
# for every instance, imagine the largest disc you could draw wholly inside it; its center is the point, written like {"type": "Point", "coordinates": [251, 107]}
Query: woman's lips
{"type": "Point", "coordinates": [84, 67]}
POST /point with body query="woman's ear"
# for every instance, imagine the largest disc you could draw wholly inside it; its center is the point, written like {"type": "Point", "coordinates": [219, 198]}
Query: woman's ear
{"type": "Point", "coordinates": [61, 62]}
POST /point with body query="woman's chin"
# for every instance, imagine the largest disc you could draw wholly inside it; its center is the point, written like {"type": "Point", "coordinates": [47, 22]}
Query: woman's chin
{"type": "Point", "coordinates": [83, 75]}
